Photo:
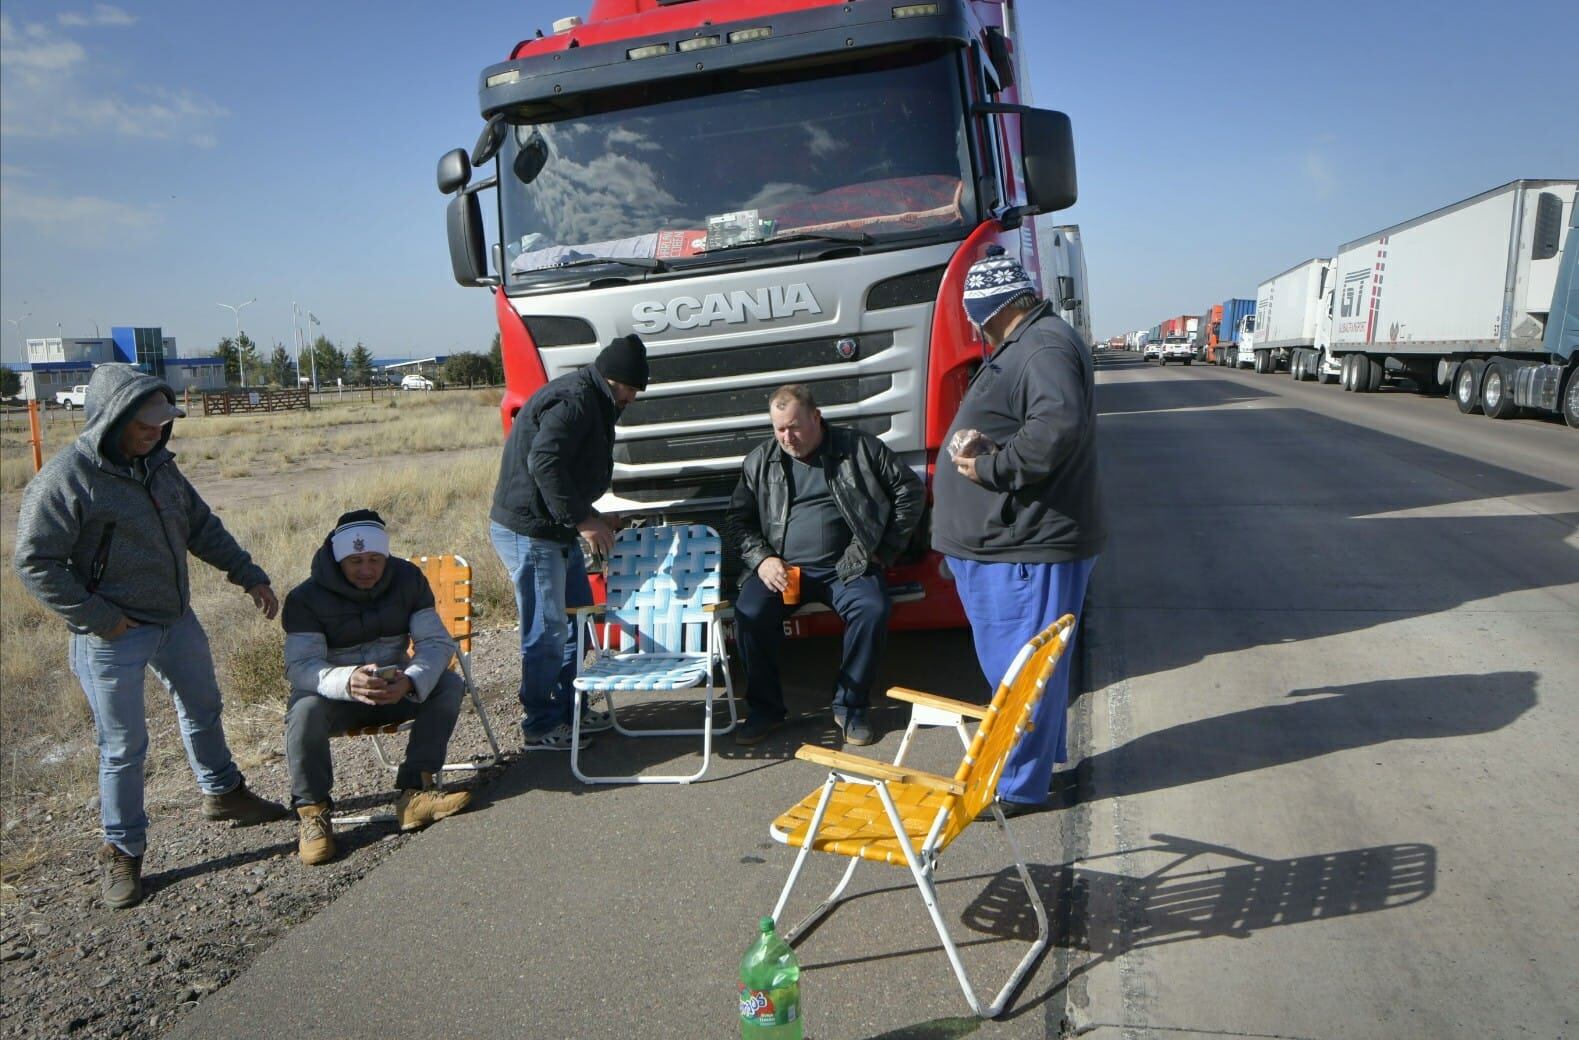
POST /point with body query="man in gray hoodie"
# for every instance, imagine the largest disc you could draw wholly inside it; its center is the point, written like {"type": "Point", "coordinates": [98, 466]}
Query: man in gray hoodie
{"type": "Point", "coordinates": [102, 540]}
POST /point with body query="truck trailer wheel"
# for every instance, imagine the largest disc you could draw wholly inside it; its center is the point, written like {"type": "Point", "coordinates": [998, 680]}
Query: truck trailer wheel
{"type": "Point", "coordinates": [1346, 377]}
{"type": "Point", "coordinates": [1368, 375]}
{"type": "Point", "coordinates": [1466, 386]}
{"type": "Point", "coordinates": [1496, 392]}
{"type": "Point", "coordinates": [1571, 400]}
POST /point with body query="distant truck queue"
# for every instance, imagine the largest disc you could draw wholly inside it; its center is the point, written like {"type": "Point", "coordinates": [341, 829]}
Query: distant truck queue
{"type": "Point", "coordinates": [1479, 299]}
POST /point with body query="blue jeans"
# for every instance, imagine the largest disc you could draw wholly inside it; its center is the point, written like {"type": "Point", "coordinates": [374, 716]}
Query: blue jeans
{"type": "Point", "coordinates": [549, 577]}
{"type": "Point", "coordinates": [863, 605]}
{"type": "Point", "coordinates": [1007, 604]}
{"type": "Point", "coordinates": [111, 674]}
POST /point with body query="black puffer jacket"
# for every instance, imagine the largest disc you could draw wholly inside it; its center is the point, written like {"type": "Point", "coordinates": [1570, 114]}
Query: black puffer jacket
{"type": "Point", "coordinates": [332, 627]}
{"type": "Point", "coordinates": [558, 459]}
{"type": "Point", "coordinates": [880, 498]}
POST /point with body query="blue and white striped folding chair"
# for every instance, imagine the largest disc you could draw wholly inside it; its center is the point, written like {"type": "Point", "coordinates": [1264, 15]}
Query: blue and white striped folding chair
{"type": "Point", "coordinates": [663, 630]}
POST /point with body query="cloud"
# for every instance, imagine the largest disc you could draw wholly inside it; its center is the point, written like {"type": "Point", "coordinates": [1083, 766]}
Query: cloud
{"type": "Point", "coordinates": [87, 214]}
{"type": "Point", "coordinates": [1323, 178]}
{"type": "Point", "coordinates": [48, 88]}
{"type": "Point", "coordinates": [102, 15]}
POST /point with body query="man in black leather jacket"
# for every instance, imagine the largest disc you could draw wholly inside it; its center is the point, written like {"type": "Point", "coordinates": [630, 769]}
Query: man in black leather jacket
{"type": "Point", "coordinates": [839, 505]}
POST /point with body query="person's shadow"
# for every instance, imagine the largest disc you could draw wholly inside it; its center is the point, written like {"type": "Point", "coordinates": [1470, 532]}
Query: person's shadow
{"type": "Point", "coordinates": [1319, 720]}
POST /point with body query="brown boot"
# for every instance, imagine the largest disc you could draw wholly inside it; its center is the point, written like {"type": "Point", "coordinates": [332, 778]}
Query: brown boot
{"type": "Point", "coordinates": [121, 878]}
{"type": "Point", "coordinates": [315, 834]}
{"type": "Point", "coordinates": [416, 809]}
{"type": "Point", "coordinates": [242, 807]}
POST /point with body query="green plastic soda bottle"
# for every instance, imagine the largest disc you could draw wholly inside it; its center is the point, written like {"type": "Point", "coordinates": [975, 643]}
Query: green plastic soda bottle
{"type": "Point", "coordinates": [769, 989]}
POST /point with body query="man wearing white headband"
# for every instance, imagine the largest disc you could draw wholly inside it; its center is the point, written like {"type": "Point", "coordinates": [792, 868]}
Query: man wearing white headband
{"type": "Point", "coordinates": [346, 632]}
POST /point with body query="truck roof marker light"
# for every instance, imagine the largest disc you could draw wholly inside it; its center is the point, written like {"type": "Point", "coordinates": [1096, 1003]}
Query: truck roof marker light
{"type": "Point", "coordinates": [761, 32]}
{"type": "Point", "coordinates": [652, 50]}
{"type": "Point", "coordinates": [697, 43]}
{"type": "Point", "coordinates": [500, 79]}
{"type": "Point", "coordinates": [914, 10]}
{"type": "Point", "coordinates": [564, 25]}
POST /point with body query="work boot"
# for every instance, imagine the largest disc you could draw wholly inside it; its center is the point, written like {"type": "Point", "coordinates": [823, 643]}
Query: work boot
{"type": "Point", "coordinates": [314, 834]}
{"type": "Point", "coordinates": [243, 808]}
{"type": "Point", "coordinates": [121, 884]}
{"type": "Point", "coordinates": [858, 732]}
{"type": "Point", "coordinates": [416, 809]}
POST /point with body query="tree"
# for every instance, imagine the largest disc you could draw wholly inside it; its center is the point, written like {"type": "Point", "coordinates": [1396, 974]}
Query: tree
{"type": "Point", "coordinates": [227, 350]}
{"type": "Point", "coordinates": [282, 367]}
{"type": "Point", "coordinates": [359, 366]}
{"type": "Point", "coordinates": [248, 361]}
{"type": "Point", "coordinates": [495, 362]}
{"type": "Point", "coordinates": [330, 360]}
{"type": "Point", "coordinates": [10, 382]}
{"type": "Point", "coordinates": [467, 367]}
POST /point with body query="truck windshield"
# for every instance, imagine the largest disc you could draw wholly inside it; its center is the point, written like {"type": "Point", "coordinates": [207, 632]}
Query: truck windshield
{"type": "Point", "coordinates": [853, 153]}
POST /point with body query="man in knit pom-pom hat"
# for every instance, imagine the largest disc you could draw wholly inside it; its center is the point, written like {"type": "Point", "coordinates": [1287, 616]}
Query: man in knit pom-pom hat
{"type": "Point", "coordinates": [1018, 512]}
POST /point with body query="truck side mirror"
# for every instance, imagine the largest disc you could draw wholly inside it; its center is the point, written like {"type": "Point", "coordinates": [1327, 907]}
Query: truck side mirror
{"type": "Point", "coordinates": [1048, 142]}
{"type": "Point", "coordinates": [455, 171]}
{"type": "Point", "coordinates": [467, 255]}
{"type": "Point", "coordinates": [1066, 292]}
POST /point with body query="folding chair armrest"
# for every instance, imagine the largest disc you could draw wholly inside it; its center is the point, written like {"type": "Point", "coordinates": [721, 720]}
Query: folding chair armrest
{"type": "Point", "coordinates": [721, 607]}
{"type": "Point", "coordinates": [844, 762]}
{"type": "Point", "coordinates": [932, 700]}
{"type": "Point", "coordinates": [591, 608]}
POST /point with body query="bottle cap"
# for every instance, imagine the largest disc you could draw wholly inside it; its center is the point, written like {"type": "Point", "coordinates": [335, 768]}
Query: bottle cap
{"type": "Point", "coordinates": [766, 924]}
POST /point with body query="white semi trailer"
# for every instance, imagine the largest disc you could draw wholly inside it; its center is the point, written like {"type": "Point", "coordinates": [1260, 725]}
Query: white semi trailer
{"type": "Point", "coordinates": [1062, 257]}
{"type": "Point", "coordinates": [1288, 313]}
{"type": "Point", "coordinates": [1463, 298]}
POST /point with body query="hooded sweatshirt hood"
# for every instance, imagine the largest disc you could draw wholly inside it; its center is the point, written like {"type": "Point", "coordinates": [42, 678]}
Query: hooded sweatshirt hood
{"type": "Point", "coordinates": [114, 393]}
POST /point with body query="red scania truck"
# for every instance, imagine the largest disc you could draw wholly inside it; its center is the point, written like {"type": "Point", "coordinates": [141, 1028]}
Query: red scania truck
{"type": "Point", "coordinates": [766, 191]}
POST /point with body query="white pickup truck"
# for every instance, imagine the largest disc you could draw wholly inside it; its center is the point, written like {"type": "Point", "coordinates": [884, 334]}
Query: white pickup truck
{"type": "Point", "coordinates": [76, 397]}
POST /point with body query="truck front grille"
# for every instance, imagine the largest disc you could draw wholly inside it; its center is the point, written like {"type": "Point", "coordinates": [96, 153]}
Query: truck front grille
{"type": "Point", "coordinates": [764, 359]}
{"type": "Point", "coordinates": [749, 401]}
{"type": "Point", "coordinates": [715, 444]}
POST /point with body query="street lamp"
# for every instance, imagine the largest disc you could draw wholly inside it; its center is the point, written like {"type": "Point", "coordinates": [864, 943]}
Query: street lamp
{"type": "Point", "coordinates": [17, 323]}
{"type": "Point", "coordinates": [236, 310]}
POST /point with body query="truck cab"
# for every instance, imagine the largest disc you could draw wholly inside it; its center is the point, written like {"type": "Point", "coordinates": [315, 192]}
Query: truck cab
{"type": "Point", "coordinates": [767, 193]}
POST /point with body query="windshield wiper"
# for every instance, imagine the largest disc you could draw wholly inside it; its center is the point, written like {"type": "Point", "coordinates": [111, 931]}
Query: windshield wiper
{"type": "Point", "coordinates": [831, 235]}
{"type": "Point", "coordinates": [646, 263]}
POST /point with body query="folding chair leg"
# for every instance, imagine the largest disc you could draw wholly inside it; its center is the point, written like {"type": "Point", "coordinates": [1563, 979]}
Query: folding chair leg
{"type": "Point", "coordinates": [706, 731]}
{"type": "Point", "coordinates": [482, 716]}
{"type": "Point", "coordinates": [833, 899]}
{"type": "Point", "coordinates": [923, 879]}
{"type": "Point", "coordinates": [384, 816]}
{"type": "Point", "coordinates": [383, 754]}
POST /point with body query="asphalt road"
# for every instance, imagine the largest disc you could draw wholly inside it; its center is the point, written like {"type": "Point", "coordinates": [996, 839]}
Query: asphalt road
{"type": "Point", "coordinates": [1326, 791]}
{"type": "Point", "coordinates": [1328, 787]}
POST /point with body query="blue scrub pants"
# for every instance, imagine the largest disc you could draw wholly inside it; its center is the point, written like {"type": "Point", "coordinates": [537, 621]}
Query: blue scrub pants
{"type": "Point", "coordinates": [1007, 604]}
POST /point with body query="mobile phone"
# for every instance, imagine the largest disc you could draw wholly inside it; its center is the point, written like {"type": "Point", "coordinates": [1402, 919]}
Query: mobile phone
{"type": "Point", "coordinates": [390, 672]}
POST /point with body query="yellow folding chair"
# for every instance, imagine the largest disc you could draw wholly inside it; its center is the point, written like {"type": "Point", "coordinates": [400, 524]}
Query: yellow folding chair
{"type": "Point", "coordinates": [890, 813]}
{"type": "Point", "coordinates": [450, 578]}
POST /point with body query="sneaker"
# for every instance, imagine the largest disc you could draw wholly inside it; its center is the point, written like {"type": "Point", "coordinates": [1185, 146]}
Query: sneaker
{"type": "Point", "coordinates": [858, 732]}
{"type": "Point", "coordinates": [315, 834]}
{"type": "Point", "coordinates": [556, 739]}
{"type": "Point", "coordinates": [756, 729]}
{"type": "Point", "coordinates": [243, 808]}
{"type": "Point", "coordinates": [1011, 810]}
{"type": "Point", "coordinates": [121, 880]}
{"type": "Point", "coordinates": [416, 809]}
{"type": "Point", "coordinates": [594, 721]}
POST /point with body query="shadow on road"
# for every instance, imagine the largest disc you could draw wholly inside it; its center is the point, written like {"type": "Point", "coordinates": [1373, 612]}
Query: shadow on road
{"type": "Point", "coordinates": [1235, 528]}
{"type": "Point", "coordinates": [1116, 398]}
{"type": "Point", "coordinates": [1321, 721]}
{"type": "Point", "coordinates": [1202, 891]}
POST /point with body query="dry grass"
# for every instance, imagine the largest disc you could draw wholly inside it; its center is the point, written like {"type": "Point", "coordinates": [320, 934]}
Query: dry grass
{"type": "Point", "coordinates": [47, 757]}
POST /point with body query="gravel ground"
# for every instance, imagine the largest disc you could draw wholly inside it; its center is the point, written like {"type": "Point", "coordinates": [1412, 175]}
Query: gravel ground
{"type": "Point", "coordinates": [216, 896]}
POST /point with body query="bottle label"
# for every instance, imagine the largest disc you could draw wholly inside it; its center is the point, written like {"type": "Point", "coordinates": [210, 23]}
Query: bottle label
{"type": "Point", "coordinates": [769, 1007]}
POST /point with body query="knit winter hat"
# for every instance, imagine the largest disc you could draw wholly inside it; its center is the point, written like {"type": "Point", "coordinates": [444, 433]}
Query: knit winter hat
{"type": "Point", "coordinates": [359, 531]}
{"type": "Point", "coordinates": [992, 283]}
{"type": "Point", "coordinates": [624, 360]}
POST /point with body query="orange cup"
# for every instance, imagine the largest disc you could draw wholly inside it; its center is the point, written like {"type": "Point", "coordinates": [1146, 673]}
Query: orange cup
{"type": "Point", "coordinates": [791, 586]}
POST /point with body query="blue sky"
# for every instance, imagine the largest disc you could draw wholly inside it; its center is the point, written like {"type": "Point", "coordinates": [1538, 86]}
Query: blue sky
{"type": "Point", "coordinates": [157, 159]}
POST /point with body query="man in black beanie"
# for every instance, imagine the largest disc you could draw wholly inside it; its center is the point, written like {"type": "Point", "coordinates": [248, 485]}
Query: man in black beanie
{"type": "Point", "coordinates": [558, 461]}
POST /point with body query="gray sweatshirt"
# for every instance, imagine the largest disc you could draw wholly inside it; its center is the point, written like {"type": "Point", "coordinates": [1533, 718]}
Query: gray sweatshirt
{"type": "Point", "coordinates": [101, 536]}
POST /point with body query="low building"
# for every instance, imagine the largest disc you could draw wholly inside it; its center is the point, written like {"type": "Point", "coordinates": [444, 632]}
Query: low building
{"type": "Point", "coordinates": [57, 363]}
